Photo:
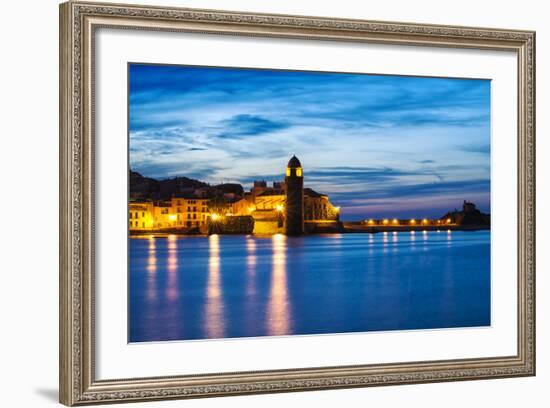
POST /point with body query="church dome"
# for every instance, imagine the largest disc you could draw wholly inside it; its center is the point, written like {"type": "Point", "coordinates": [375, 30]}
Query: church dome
{"type": "Point", "coordinates": [294, 163]}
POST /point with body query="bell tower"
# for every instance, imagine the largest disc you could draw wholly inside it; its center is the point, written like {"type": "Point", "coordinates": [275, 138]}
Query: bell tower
{"type": "Point", "coordinates": [294, 207]}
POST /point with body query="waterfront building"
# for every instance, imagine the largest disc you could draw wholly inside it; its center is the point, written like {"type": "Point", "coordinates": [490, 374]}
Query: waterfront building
{"type": "Point", "coordinates": [140, 216]}
{"type": "Point", "coordinates": [178, 212]}
{"type": "Point", "coordinates": [162, 215]}
{"type": "Point", "coordinates": [190, 211]}
{"type": "Point", "coordinates": [259, 187]}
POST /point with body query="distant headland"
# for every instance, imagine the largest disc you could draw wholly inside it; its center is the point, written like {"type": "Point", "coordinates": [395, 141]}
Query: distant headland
{"type": "Point", "coordinates": [186, 206]}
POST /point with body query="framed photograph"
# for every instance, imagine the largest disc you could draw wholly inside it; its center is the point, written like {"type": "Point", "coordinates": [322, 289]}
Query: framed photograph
{"type": "Point", "coordinates": [256, 203]}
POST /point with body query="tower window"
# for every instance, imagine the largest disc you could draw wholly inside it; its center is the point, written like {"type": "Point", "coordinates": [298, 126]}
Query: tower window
{"type": "Point", "coordinates": [299, 172]}
{"type": "Point", "coordinates": [288, 172]}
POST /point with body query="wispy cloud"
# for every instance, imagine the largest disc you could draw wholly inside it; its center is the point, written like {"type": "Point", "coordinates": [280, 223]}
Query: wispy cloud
{"type": "Point", "coordinates": [248, 125]}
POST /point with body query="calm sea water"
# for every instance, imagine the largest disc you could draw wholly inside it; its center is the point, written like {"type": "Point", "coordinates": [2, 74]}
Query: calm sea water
{"type": "Point", "coordinates": [241, 286]}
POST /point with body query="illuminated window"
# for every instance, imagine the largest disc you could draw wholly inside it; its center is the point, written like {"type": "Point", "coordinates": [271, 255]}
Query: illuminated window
{"type": "Point", "coordinates": [288, 172]}
{"type": "Point", "coordinates": [299, 172]}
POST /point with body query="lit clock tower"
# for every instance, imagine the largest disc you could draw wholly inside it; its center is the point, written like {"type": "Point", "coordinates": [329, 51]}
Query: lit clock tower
{"type": "Point", "coordinates": [294, 206]}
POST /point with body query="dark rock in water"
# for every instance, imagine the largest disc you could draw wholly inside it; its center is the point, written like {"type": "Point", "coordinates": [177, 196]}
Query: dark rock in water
{"type": "Point", "coordinates": [469, 215]}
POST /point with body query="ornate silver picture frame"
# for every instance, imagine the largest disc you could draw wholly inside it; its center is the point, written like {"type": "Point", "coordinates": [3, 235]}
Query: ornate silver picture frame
{"type": "Point", "coordinates": [79, 22]}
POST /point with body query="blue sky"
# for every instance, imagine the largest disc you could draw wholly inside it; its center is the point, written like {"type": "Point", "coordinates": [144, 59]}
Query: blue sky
{"type": "Point", "coordinates": [379, 146]}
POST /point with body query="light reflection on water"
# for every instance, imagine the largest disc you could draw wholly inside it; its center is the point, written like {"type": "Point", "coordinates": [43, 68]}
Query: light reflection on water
{"type": "Point", "coordinates": [395, 240]}
{"type": "Point", "coordinates": [214, 322]}
{"type": "Point", "coordinates": [151, 270]}
{"type": "Point", "coordinates": [278, 308]}
{"type": "Point", "coordinates": [172, 290]}
{"type": "Point", "coordinates": [184, 287]}
{"type": "Point", "coordinates": [250, 265]}
{"type": "Point", "coordinates": [413, 240]}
